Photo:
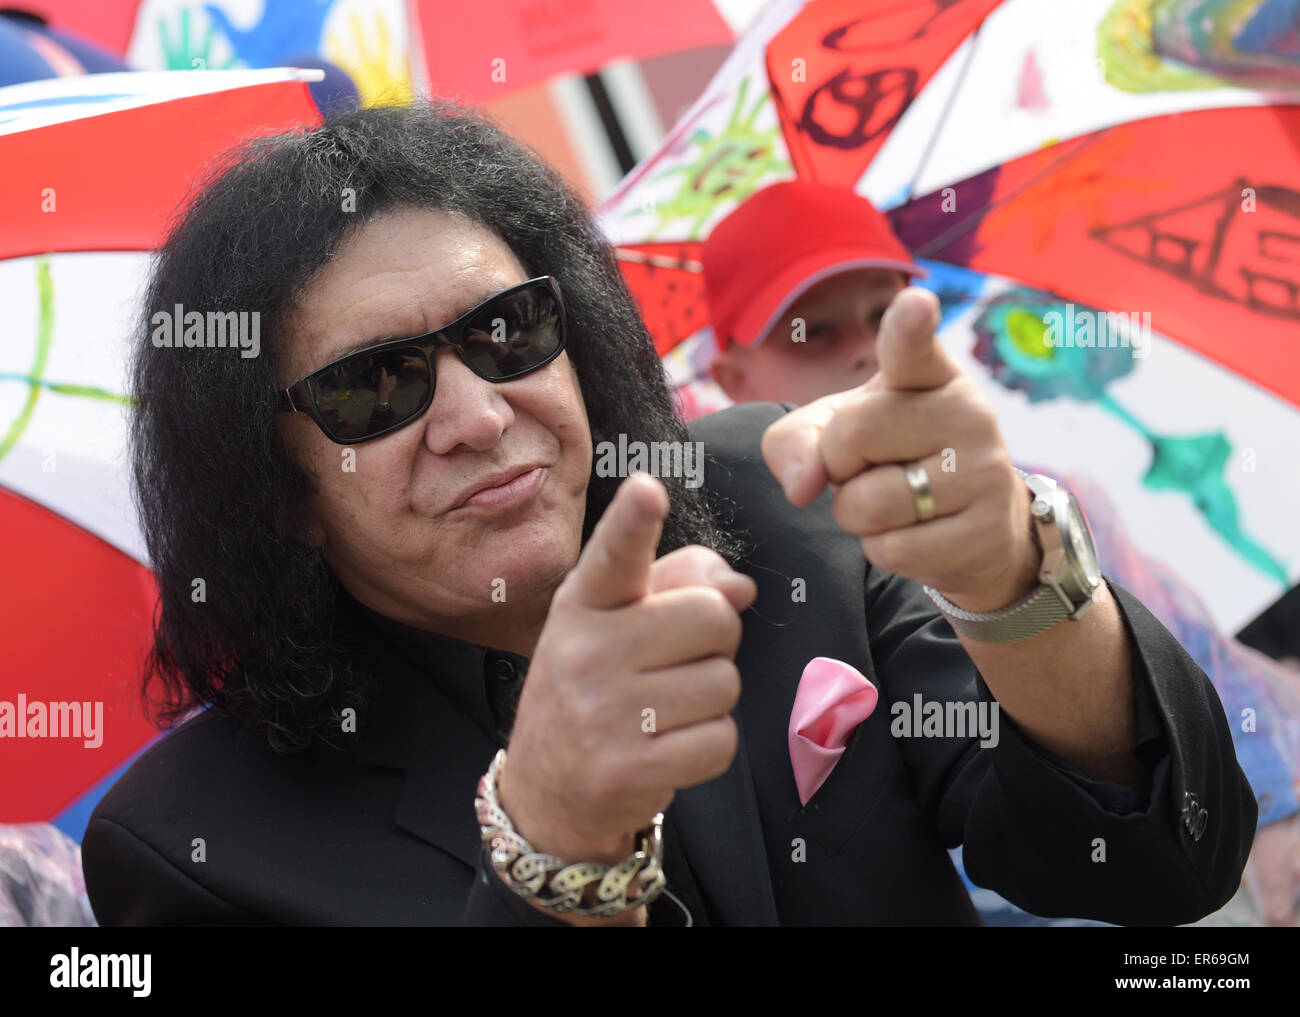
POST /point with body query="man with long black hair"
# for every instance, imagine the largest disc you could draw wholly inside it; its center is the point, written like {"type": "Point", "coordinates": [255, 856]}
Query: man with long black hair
{"type": "Point", "coordinates": [396, 523]}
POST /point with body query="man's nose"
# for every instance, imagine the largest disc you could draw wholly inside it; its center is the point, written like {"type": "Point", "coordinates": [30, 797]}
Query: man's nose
{"type": "Point", "coordinates": [467, 412]}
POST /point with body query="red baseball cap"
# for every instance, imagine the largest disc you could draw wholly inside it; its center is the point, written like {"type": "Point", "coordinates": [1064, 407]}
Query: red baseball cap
{"type": "Point", "coordinates": [780, 243]}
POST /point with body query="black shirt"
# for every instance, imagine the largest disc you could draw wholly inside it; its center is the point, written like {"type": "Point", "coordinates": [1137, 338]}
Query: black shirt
{"type": "Point", "coordinates": [485, 684]}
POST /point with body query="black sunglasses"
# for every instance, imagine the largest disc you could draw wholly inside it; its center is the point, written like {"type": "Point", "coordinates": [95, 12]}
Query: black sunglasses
{"type": "Point", "coordinates": [381, 388]}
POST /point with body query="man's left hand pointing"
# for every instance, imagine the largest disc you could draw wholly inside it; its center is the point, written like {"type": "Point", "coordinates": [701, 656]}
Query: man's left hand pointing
{"type": "Point", "coordinates": [978, 548]}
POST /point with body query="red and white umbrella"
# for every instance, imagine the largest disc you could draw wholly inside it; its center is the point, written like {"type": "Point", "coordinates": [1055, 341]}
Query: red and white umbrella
{"type": "Point", "coordinates": [91, 169]}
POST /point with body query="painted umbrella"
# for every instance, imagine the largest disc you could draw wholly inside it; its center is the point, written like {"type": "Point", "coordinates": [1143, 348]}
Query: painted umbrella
{"type": "Point", "coordinates": [476, 51]}
{"type": "Point", "coordinates": [92, 168]}
{"type": "Point", "coordinates": [1049, 164]}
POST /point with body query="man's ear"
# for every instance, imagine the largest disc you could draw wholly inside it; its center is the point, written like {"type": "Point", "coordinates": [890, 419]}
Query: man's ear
{"type": "Point", "coordinates": [727, 369]}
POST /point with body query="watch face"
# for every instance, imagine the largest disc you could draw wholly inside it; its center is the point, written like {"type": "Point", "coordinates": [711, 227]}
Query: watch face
{"type": "Point", "coordinates": [1079, 538]}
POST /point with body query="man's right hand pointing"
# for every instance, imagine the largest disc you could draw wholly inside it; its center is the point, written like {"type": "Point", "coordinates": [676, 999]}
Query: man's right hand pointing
{"type": "Point", "coordinates": [628, 696]}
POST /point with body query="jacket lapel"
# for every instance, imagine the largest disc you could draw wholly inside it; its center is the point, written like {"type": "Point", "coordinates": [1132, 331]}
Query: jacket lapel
{"type": "Point", "coordinates": [411, 726]}
{"type": "Point", "coordinates": [720, 831]}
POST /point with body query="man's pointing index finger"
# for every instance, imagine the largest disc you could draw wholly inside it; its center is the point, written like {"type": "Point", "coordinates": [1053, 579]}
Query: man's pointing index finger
{"type": "Point", "coordinates": [908, 351]}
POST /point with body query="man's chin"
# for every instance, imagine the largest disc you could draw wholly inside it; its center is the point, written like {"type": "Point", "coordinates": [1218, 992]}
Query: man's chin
{"type": "Point", "coordinates": [529, 566]}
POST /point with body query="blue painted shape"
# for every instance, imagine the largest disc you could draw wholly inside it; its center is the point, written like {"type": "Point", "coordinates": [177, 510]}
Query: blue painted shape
{"type": "Point", "coordinates": [286, 26]}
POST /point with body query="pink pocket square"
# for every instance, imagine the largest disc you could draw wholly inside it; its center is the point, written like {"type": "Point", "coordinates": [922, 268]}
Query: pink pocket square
{"type": "Point", "coordinates": [832, 700]}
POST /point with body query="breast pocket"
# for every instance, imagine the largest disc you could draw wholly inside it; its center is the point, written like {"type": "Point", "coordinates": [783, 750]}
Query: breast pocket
{"type": "Point", "coordinates": [852, 790]}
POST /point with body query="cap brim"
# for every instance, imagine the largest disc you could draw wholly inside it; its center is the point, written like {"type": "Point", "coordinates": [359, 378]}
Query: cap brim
{"type": "Point", "coordinates": [795, 280]}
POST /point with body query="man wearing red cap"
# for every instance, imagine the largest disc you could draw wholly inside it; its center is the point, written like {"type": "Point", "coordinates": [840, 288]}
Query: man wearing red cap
{"type": "Point", "coordinates": [798, 279]}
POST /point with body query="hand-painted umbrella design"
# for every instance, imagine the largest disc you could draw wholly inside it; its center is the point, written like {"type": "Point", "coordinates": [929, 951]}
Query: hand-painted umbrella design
{"type": "Point", "coordinates": [477, 51]}
{"type": "Point", "coordinates": [1041, 145]}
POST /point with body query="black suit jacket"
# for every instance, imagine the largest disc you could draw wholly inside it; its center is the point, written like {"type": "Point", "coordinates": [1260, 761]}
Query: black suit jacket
{"type": "Point", "coordinates": [383, 831]}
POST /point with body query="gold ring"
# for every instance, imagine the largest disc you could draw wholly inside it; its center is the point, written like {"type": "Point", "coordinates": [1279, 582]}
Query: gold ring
{"type": "Point", "coordinates": [919, 481]}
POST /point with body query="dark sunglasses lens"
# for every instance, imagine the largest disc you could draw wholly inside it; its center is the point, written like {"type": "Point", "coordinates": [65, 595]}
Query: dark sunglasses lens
{"type": "Point", "coordinates": [514, 334]}
{"type": "Point", "coordinates": [351, 395]}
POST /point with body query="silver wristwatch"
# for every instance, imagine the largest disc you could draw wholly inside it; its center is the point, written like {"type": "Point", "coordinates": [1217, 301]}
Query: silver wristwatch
{"type": "Point", "coordinates": [1070, 574]}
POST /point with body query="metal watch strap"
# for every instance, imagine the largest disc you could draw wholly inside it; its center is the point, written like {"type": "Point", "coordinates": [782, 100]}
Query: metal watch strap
{"type": "Point", "coordinates": [1042, 609]}
{"type": "Point", "coordinates": [1039, 610]}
